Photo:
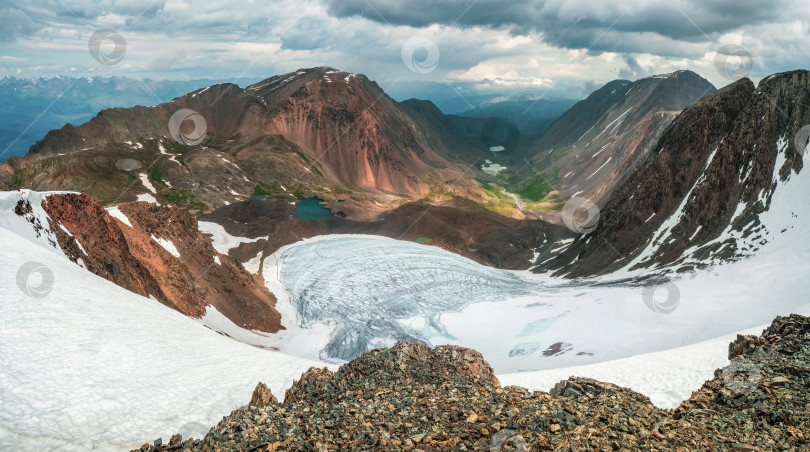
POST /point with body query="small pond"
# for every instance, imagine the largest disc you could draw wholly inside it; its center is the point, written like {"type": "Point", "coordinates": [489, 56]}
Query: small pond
{"type": "Point", "coordinates": [311, 209]}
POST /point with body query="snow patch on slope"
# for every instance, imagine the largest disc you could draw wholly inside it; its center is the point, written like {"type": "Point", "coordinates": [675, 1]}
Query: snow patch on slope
{"type": "Point", "coordinates": [147, 183]}
{"type": "Point", "coordinates": [167, 245]}
{"type": "Point", "coordinates": [35, 226]}
{"type": "Point", "coordinates": [146, 197]}
{"type": "Point", "coordinates": [115, 212]}
{"type": "Point", "coordinates": [668, 377]}
{"type": "Point", "coordinates": [222, 241]}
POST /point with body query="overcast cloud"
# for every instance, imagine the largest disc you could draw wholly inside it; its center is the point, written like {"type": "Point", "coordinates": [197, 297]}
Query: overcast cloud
{"type": "Point", "coordinates": [562, 47]}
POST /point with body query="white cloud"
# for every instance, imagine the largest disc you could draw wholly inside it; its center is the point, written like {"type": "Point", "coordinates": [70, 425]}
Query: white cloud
{"type": "Point", "coordinates": [574, 43]}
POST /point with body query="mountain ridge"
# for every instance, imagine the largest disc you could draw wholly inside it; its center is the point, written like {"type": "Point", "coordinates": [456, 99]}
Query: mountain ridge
{"type": "Point", "coordinates": [703, 191]}
{"type": "Point", "coordinates": [345, 127]}
{"type": "Point", "coordinates": [602, 139]}
{"type": "Point", "coordinates": [34, 106]}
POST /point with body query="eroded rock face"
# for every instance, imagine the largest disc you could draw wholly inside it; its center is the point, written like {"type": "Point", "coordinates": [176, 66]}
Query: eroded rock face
{"type": "Point", "coordinates": [351, 126]}
{"type": "Point", "coordinates": [714, 169]}
{"type": "Point", "coordinates": [446, 398]}
{"type": "Point", "coordinates": [162, 255]}
{"type": "Point", "coordinates": [96, 240]}
{"type": "Point", "coordinates": [603, 139]}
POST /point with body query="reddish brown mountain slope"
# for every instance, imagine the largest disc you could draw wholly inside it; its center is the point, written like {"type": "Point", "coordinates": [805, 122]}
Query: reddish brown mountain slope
{"type": "Point", "coordinates": [189, 279]}
{"type": "Point", "coordinates": [347, 129]}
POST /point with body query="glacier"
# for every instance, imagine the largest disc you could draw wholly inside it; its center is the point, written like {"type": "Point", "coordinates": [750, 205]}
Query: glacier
{"type": "Point", "coordinates": [375, 289]}
{"type": "Point", "coordinates": [364, 292]}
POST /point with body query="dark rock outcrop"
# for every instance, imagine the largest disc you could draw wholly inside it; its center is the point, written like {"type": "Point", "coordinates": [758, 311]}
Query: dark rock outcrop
{"type": "Point", "coordinates": [721, 153]}
{"type": "Point", "coordinates": [457, 225]}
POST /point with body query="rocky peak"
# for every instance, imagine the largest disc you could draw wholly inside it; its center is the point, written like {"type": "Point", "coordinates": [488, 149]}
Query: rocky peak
{"type": "Point", "coordinates": [345, 126]}
{"type": "Point", "coordinates": [416, 364]}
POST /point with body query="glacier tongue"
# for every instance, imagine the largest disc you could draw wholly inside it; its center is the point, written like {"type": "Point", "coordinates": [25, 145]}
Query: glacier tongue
{"type": "Point", "coordinates": [379, 291]}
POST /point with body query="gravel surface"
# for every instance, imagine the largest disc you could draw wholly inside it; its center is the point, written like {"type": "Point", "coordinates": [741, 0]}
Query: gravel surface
{"type": "Point", "coordinates": [411, 397]}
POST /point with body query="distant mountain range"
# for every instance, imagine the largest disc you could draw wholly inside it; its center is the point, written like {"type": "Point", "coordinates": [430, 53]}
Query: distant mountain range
{"type": "Point", "coordinates": [530, 114]}
{"type": "Point", "coordinates": [32, 107]}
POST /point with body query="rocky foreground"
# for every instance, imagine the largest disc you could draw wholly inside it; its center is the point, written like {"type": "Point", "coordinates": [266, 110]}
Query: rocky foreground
{"type": "Point", "coordinates": [411, 397]}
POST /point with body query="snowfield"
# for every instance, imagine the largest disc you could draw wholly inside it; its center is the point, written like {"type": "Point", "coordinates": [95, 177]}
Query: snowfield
{"type": "Point", "coordinates": [362, 292]}
{"type": "Point", "coordinates": [667, 377]}
{"type": "Point", "coordinates": [93, 366]}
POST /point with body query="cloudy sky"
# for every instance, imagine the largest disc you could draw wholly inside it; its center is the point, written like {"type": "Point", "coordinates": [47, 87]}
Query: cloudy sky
{"type": "Point", "coordinates": [562, 47]}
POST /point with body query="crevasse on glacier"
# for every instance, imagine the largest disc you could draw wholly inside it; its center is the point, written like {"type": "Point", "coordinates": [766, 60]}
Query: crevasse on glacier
{"type": "Point", "coordinates": [370, 287]}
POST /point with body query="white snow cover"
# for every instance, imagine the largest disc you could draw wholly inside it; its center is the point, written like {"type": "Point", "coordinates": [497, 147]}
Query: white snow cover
{"type": "Point", "coordinates": [222, 241]}
{"type": "Point", "coordinates": [168, 245]}
{"type": "Point", "coordinates": [147, 183]}
{"type": "Point", "coordinates": [360, 284]}
{"type": "Point", "coordinates": [146, 197]}
{"type": "Point", "coordinates": [306, 341]}
{"type": "Point", "coordinates": [164, 373]}
{"type": "Point", "coordinates": [115, 212]}
{"type": "Point", "coordinates": [93, 366]}
{"type": "Point", "coordinates": [23, 226]}
{"type": "Point", "coordinates": [667, 377]}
